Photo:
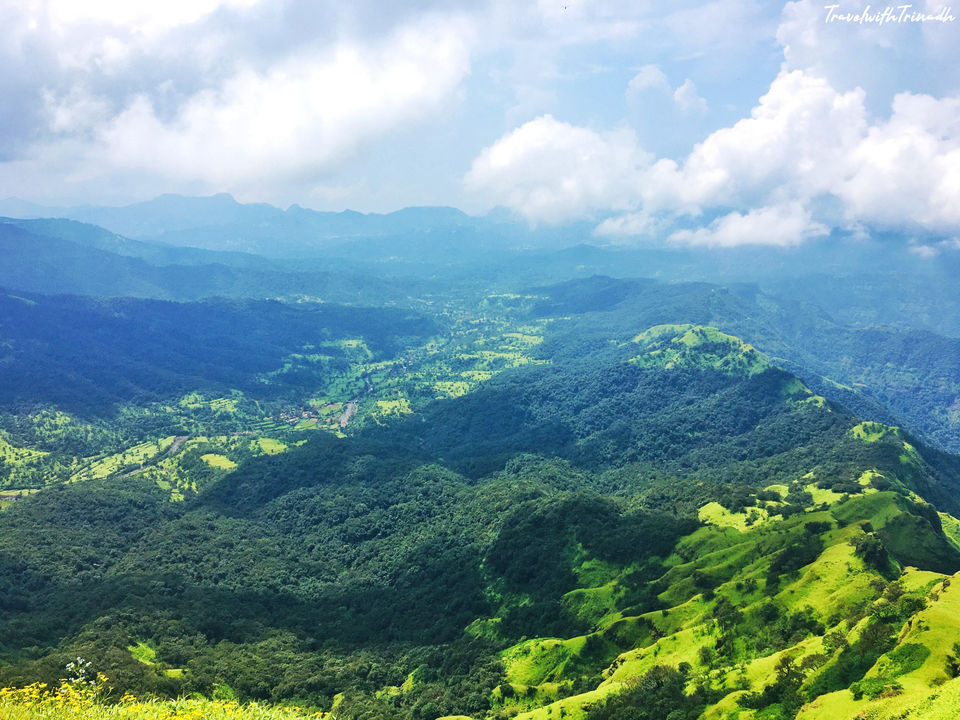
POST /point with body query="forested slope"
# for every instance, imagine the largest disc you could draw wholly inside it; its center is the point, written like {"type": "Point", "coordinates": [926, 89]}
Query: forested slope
{"type": "Point", "coordinates": [669, 513]}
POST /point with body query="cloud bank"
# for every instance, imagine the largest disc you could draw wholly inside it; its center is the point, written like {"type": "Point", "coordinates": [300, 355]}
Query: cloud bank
{"type": "Point", "coordinates": [766, 179]}
{"type": "Point", "coordinates": [705, 121]}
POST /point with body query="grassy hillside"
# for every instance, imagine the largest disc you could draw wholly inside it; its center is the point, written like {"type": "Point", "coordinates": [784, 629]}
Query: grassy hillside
{"type": "Point", "coordinates": [811, 615]}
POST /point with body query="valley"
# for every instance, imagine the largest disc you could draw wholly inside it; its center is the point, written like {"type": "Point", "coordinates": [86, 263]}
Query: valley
{"type": "Point", "coordinates": [541, 501]}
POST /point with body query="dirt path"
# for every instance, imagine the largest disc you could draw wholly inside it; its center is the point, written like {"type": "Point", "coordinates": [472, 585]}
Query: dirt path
{"type": "Point", "coordinates": [178, 442]}
{"type": "Point", "coordinates": [347, 415]}
{"type": "Point", "coordinates": [350, 411]}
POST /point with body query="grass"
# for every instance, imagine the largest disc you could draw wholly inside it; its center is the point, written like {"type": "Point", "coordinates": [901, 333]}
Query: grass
{"type": "Point", "coordinates": [195, 401]}
{"type": "Point", "coordinates": [536, 661]}
{"type": "Point", "coordinates": [834, 580]}
{"type": "Point", "coordinates": [734, 550]}
{"type": "Point", "coordinates": [941, 704]}
{"type": "Point", "coordinates": [522, 339]}
{"type": "Point", "coordinates": [12, 455]}
{"type": "Point", "coordinates": [143, 652]}
{"type": "Point", "coordinates": [216, 460]}
{"type": "Point", "coordinates": [539, 673]}
{"type": "Point", "coordinates": [270, 446]}
{"type": "Point", "coordinates": [951, 528]}
{"type": "Point", "coordinates": [137, 456]}
{"type": "Point", "coordinates": [714, 513]}
{"type": "Point", "coordinates": [835, 585]}
{"type": "Point", "coordinates": [671, 346]}
{"type": "Point", "coordinates": [823, 496]}
{"type": "Point", "coordinates": [571, 708]}
{"type": "Point", "coordinates": [31, 704]}
{"type": "Point", "coordinates": [877, 509]}
{"type": "Point", "coordinates": [451, 388]}
{"type": "Point", "coordinates": [869, 476]}
{"type": "Point", "coordinates": [14, 495]}
{"type": "Point", "coordinates": [592, 573]}
{"type": "Point", "coordinates": [594, 605]}
{"type": "Point", "coordinates": [871, 432]}
{"type": "Point", "coordinates": [678, 647]}
{"type": "Point", "coordinates": [395, 407]}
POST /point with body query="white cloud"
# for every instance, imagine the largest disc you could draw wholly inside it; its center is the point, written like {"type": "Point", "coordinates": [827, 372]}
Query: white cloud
{"type": "Point", "coordinates": [924, 251]}
{"type": "Point", "coordinates": [883, 60]}
{"type": "Point", "coordinates": [551, 171]}
{"type": "Point", "coordinates": [779, 225]}
{"type": "Point", "coordinates": [803, 142]}
{"type": "Point", "coordinates": [688, 100]}
{"type": "Point", "coordinates": [721, 26]}
{"type": "Point", "coordinates": [686, 26]}
{"type": "Point", "coordinates": [248, 95]}
{"type": "Point", "coordinates": [791, 146]}
{"type": "Point", "coordinates": [908, 166]}
{"type": "Point", "coordinates": [583, 21]}
{"type": "Point", "coordinates": [77, 112]}
{"type": "Point", "coordinates": [806, 140]}
{"type": "Point", "coordinates": [103, 35]}
{"type": "Point", "coordinates": [301, 116]}
{"type": "Point", "coordinates": [649, 76]}
{"type": "Point", "coordinates": [630, 224]}
{"type": "Point", "coordinates": [140, 17]}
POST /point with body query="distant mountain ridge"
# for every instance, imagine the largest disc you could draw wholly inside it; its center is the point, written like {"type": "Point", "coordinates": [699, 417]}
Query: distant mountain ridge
{"type": "Point", "coordinates": [60, 257]}
{"type": "Point", "coordinates": [172, 213]}
{"type": "Point", "coordinates": [219, 222]}
{"type": "Point", "coordinates": [879, 279]}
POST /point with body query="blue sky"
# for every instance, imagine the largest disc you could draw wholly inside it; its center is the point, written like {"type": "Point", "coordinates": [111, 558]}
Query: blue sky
{"type": "Point", "coordinates": [706, 123]}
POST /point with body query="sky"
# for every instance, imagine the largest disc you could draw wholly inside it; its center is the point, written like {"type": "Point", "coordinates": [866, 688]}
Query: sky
{"type": "Point", "coordinates": [706, 123]}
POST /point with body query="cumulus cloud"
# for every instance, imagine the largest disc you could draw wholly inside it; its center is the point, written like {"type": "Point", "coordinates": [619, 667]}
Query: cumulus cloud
{"type": "Point", "coordinates": [143, 18]}
{"type": "Point", "coordinates": [908, 166]}
{"type": "Point", "coordinates": [779, 225]}
{"type": "Point", "coordinates": [792, 145]}
{"type": "Point", "coordinates": [104, 36]}
{"type": "Point", "coordinates": [687, 99]}
{"type": "Point", "coordinates": [883, 60]}
{"type": "Point", "coordinates": [83, 81]}
{"type": "Point", "coordinates": [631, 224]}
{"type": "Point", "coordinates": [924, 251]}
{"type": "Point", "coordinates": [300, 116]}
{"type": "Point", "coordinates": [686, 26]}
{"type": "Point", "coordinates": [252, 95]}
{"type": "Point", "coordinates": [551, 171]}
{"type": "Point", "coordinates": [652, 78]}
{"type": "Point", "coordinates": [649, 76]}
{"type": "Point", "coordinates": [263, 98]}
{"type": "Point", "coordinates": [297, 117]}
{"type": "Point", "coordinates": [804, 141]}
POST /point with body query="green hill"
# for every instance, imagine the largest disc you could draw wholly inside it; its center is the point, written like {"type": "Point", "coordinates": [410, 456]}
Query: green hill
{"type": "Point", "coordinates": [672, 346]}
